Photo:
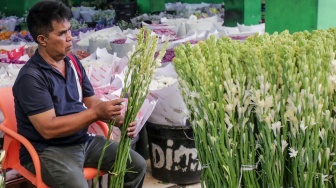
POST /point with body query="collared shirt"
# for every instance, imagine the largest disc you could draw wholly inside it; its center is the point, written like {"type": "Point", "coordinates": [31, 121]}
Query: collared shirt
{"type": "Point", "coordinates": [38, 88]}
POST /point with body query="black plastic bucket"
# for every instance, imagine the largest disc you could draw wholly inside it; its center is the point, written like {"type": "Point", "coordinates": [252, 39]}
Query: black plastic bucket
{"type": "Point", "coordinates": [173, 155]}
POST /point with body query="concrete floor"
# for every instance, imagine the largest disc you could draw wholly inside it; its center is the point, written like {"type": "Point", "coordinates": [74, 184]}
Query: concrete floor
{"type": "Point", "coordinates": [150, 182]}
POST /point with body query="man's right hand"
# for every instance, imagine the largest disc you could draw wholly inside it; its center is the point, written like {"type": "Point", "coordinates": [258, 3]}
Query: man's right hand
{"type": "Point", "coordinates": [108, 110]}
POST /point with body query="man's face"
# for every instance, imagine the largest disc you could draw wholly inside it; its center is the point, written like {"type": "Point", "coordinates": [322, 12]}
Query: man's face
{"type": "Point", "coordinates": [59, 41]}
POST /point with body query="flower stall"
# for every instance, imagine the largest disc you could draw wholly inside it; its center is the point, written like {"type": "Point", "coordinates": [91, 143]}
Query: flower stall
{"type": "Point", "coordinates": [103, 51]}
{"type": "Point", "coordinates": [225, 106]}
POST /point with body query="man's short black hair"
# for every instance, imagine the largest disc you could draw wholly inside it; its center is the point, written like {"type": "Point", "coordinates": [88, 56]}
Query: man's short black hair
{"type": "Point", "coordinates": [43, 13]}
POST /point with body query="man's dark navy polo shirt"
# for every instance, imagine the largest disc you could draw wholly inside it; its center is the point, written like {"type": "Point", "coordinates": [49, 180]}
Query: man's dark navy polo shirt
{"type": "Point", "coordinates": [38, 88]}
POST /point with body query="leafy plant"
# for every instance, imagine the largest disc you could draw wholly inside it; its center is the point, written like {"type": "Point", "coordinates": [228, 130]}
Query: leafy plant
{"type": "Point", "coordinates": [75, 25]}
{"type": "Point", "coordinates": [124, 25]}
{"type": "Point", "coordinates": [104, 15]}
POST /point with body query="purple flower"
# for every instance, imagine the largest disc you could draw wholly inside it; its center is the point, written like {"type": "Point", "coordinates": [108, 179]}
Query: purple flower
{"type": "Point", "coordinates": [18, 37]}
{"type": "Point", "coordinates": [168, 57]}
{"type": "Point", "coordinates": [4, 60]}
{"type": "Point", "coordinates": [119, 41]}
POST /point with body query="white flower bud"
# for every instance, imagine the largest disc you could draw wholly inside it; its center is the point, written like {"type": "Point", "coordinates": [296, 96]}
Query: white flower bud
{"type": "Point", "coordinates": [284, 144]}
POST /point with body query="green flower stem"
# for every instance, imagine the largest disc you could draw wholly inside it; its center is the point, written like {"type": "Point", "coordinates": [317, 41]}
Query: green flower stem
{"type": "Point", "coordinates": [141, 69]}
{"type": "Point", "coordinates": [110, 130]}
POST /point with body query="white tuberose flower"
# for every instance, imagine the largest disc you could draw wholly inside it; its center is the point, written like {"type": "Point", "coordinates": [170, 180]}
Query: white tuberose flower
{"type": "Point", "coordinates": [303, 127]}
{"type": "Point", "coordinates": [276, 127]}
{"type": "Point", "coordinates": [292, 152]}
{"type": "Point", "coordinates": [284, 144]}
{"type": "Point", "coordinates": [322, 133]}
{"type": "Point", "coordinates": [160, 82]}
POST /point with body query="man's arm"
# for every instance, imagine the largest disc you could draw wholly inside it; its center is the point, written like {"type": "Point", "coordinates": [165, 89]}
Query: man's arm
{"type": "Point", "coordinates": [91, 101]}
{"type": "Point", "coordinates": [50, 126]}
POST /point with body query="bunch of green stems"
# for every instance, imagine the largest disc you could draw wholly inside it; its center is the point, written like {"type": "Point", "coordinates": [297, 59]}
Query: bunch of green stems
{"type": "Point", "coordinates": [262, 110]}
{"type": "Point", "coordinates": [211, 87]}
{"type": "Point", "coordinates": [308, 110]}
{"type": "Point", "coordinates": [268, 100]}
{"type": "Point", "coordinates": [141, 66]}
{"type": "Point", "coordinates": [332, 105]}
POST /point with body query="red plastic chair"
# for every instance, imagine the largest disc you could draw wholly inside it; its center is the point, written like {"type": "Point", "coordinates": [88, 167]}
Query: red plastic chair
{"type": "Point", "coordinates": [12, 142]}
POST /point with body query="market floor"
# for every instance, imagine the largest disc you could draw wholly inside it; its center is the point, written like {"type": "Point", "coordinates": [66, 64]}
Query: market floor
{"type": "Point", "coordinates": [150, 182]}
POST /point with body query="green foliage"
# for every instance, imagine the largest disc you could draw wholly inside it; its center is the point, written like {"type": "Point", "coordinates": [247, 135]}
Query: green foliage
{"type": "Point", "coordinates": [105, 15]}
{"type": "Point", "coordinates": [76, 25]}
{"type": "Point", "coordinates": [124, 25]}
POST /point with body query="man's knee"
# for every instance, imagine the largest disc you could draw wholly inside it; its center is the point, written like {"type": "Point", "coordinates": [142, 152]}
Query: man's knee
{"type": "Point", "coordinates": [139, 163]}
{"type": "Point", "coordinates": [72, 179]}
{"type": "Point", "coordinates": [67, 177]}
{"type": "Point", "coordinates": [142, 166]}
{"type": "Point", "coordinates": [137, 167]}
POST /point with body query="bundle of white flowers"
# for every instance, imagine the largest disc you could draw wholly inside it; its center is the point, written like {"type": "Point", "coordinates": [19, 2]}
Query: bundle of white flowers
{"type": "Point", "coordinates": [262, 110]}
{"type": "Point", "coordinates": [162, 81]}
{"type": "Point", "coordinates": [218, 112]}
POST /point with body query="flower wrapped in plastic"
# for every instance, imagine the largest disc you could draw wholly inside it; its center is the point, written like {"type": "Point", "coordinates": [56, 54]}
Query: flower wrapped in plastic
{"type": "Point", "coordinates": [170, 109]}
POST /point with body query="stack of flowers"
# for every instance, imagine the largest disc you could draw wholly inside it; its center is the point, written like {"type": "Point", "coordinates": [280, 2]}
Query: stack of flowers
{"type": "Point", "coordinates": [262, 110]}
{"type": "Point", "coordinates": [104, 17]}
{"type": "Point", "coordinates": [76, 25]}
{"type": "Point", "coordinates": [22, 36]}
{"type": "Point", "coordinates": [201, 10]}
